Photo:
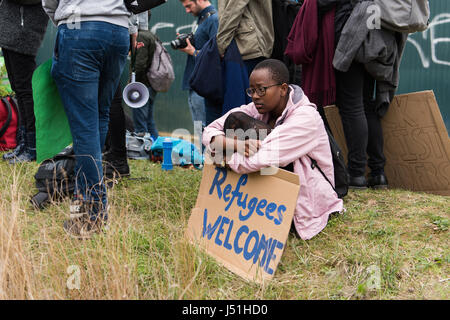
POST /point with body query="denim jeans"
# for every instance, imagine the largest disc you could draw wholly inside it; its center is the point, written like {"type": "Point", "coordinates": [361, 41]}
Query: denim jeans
{"type": "Point", "coordinates": [87, 65]}
{"type": "Point", "coordinates": [143, 117]}
{"type": "Point", "coordinates": [197, 107]}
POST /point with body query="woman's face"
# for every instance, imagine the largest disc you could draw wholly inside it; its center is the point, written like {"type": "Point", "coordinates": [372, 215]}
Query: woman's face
{"type": "Point", "coordinates": [274, 100]}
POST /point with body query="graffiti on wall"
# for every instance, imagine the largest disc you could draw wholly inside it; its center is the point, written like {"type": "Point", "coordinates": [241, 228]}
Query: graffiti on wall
{"type": "Point", "coordinates": [433, 39]}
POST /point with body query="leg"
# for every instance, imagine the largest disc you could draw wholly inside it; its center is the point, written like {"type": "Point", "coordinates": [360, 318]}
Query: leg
{"type": "Point", "coordinates": [197, 107]}
{"type": "Point", "coordinates": [117, 127]}
{"type": "Point", "coordinates": [20, 69]}
{"type": "Point", "coordinates": [351, 108]}
{"type": "Point", "coordinates": [213, 111]}
{"type": "Point", "coordinates": [375, 144]}
{"type": "Point", "coordinates": [151, 125]}
{"type": "Point", "coordinates": [116, 163]}
{"type": "Point", "coordinates": [84, 58]}
{"type": "Point", "coordinates": [140, 118]}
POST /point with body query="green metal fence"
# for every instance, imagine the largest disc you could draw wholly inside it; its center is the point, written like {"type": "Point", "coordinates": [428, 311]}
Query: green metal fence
{"type": "Point", "coordinates": [426, 60]}
{"type": "Point", "coordinates": [425, 64]}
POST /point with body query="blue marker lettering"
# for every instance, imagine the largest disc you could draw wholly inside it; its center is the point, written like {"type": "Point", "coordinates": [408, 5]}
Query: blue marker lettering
{"type": "Point", "coordinates": [242, 181]}
{"type": "Point", "coordinates": [248, 255]}
{"type": "Point", "coordinates": [270, 208]}
{"type": "Point", "coordinates": [226, 191]}
{"type": "Point", "coordinates": [217, 182]}
{"type": "Point", "coordinates": [220, 231]}
{"type": "Point", "coordinates": [260, 206]}
{"type": "Point", "coordinates": [226, 243]}
{"type": "Point", "coordinates": [242, 229]}
{"type": "Point", "coordinates": [281, 209]}
{"type": "Point", "coordinates": [207, 229]}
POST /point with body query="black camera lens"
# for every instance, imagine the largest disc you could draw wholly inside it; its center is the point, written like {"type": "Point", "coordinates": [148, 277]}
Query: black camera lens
{"type": "Point", "coordinates": [175, 44]}
{"type": "Point", "coordinates": [180, 41]}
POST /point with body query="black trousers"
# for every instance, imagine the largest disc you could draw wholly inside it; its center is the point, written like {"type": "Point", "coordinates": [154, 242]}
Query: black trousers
{"type": "Point", "coordinates": [362, 125]}
{"type": "Point", "coordinates": [20, 68]}
{"type": "Point", "coordinates": [115, 140]}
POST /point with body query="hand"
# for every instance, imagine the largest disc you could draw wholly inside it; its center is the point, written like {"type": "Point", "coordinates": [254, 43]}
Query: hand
{"type": "Point", "coordinates": [134, 43]}
{"type": "Point", "coordinates": [248, 147]}
{"type": "Point", "coordinates": [189, 49]}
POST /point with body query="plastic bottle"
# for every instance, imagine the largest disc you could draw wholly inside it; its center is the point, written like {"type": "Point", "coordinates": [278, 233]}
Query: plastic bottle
{"type": "Point", "coordinates": [167, 154]}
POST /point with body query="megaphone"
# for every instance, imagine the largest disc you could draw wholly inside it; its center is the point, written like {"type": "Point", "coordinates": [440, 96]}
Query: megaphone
{"type": "Point", "coordinates": [135, 93]}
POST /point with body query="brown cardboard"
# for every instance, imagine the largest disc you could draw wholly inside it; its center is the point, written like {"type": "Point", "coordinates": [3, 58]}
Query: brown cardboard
{"type": "Point", "coordinates": [416, 143]}
{"type": "Point", "coordinates": [280, 189]}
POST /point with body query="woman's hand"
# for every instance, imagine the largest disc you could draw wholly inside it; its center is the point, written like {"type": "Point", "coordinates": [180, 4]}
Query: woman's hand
{"type": "Point", "coordinates": [247, 147]}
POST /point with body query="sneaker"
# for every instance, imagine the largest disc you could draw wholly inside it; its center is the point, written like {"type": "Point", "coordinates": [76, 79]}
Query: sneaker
{"type": "Point", "coordinates": [84, 228]}
{"type": "Point", "coordinates": [378, 182]}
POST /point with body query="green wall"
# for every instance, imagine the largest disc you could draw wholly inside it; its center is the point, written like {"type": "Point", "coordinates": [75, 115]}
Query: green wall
{"type": "Point", "coordinates": [426, 60]}
{"type": "Point", "coordinates": [171, 108]}
{"type": "Point", "coordinates": [425, 64]}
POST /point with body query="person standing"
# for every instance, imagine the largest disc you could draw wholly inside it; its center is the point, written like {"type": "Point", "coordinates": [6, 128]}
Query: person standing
{"type": "Point", "coordinates": [206, 29]}
{"type": "Point", "coordinates": [250, 23]}
{"type": "Point", "coordinates": [143, 120]}
{"type": "Point", "coordinates": [22, 29]}
{"type": "Point", "coordinates": [90, 53]}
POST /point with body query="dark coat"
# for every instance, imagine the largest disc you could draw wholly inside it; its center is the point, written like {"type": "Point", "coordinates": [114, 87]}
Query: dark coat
{"type": "Point", "coordinates": [22, 28]}
{"type": "Point", "coordinates": [144, 55]}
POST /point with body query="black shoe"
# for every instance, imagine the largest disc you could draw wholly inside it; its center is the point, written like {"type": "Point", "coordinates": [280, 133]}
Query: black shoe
{"type": "Point", "coordinates": [378, 182]}
{"type": "Point", "coordinates": [116, 168]}
{"type": "Point", "coordinates": [358, 183]}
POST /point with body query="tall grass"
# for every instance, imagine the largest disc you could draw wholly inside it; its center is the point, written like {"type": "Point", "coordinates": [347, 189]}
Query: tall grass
{"type": "Point", "coordinates": [144, 254]}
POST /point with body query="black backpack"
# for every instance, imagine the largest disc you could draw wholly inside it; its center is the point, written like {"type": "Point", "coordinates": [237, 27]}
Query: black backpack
{"type": "Point", "coordinates": [55, 178]}
{"type": "Point", "coordinates": [340, 169]}
{"type": "Point", "coordinates": [139, 6]}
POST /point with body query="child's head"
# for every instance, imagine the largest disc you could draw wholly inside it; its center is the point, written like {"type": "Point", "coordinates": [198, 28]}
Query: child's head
{"type": "Point", "coordinates": [269, 86]}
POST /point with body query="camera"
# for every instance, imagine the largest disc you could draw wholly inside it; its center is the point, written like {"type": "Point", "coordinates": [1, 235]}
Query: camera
{"type": "Point", "coordinates": [180, 41]}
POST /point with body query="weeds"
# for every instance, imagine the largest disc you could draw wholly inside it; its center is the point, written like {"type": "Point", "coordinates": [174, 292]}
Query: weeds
{"type": "Point", "coordinates": [388, 245]}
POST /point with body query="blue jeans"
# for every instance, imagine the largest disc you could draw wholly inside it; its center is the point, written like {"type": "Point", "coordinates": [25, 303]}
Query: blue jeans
{"type": "Point", "coordinates": [197, 107]}
{"type": "Point", "coordinates": [87, 65]}
{"type": "Point", "coordinates": [143, 117]}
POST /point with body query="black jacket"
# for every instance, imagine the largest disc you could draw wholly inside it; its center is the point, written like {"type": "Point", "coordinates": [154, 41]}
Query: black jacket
{"type": "Point", "coordinates": [343, 10]}
{"type": "Point", "coordinates": [22, 28]}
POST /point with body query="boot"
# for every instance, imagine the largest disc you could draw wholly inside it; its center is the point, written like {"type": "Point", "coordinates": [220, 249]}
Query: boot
{"type": "Point", "coordinates": [28, 153]}
{"type": "Point", "coordinates": [20, 144]}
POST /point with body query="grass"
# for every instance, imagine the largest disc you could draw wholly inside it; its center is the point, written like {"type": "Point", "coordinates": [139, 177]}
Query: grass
{"type": "Point", "coordinates": [388, 245]}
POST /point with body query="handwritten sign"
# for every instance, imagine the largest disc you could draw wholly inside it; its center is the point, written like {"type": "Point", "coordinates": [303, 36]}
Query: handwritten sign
{"type": "Point", "coordinates": [243, 220]}
{"type": "Point", "coordinates": [416, 143]}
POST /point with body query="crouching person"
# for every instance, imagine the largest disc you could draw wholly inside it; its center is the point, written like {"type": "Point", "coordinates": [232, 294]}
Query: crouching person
{"type": "Point", "coordinates": [297, 136]}
{"type": "Point", "coordinates": [90, 53]}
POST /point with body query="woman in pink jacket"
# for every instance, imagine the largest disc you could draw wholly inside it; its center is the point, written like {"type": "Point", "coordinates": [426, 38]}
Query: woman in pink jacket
{"type": "Point", "coordinates": [298, 133]}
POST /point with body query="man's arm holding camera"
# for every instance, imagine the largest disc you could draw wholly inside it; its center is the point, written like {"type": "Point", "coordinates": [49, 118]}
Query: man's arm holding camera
{"type": "Point", "coordinates": [189, 49]}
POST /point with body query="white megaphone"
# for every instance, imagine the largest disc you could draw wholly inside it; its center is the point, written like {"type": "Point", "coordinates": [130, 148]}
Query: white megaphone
{"type": "Point", "coordinates": [135, 93]}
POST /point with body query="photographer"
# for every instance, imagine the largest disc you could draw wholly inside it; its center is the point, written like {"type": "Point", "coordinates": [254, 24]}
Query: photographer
{"type": "Point", "coordinates": [206, 29]}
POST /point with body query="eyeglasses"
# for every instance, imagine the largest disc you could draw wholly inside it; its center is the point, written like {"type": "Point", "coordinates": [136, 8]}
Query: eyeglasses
{"type": "Point", "coordinates": [261, 91]}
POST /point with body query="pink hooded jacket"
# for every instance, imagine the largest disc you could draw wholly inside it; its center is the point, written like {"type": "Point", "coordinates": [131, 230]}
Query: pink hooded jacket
{"type": "Point", "coordinates": [299, 132]}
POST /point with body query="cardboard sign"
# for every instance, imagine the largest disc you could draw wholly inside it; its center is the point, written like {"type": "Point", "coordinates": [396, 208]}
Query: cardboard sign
{"type": "Point", "coordinates": [416, 143]}
{"type": "Point", "coordinates": [243, 221]}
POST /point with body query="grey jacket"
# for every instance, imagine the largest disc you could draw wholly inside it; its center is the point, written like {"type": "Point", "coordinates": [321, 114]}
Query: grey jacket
{"type": "Point", "coordinates": [380, 51]}
{"type": "Point", "coordinates": [22, 28]}
{"type": "Point", "coordinates": [70, 11]}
